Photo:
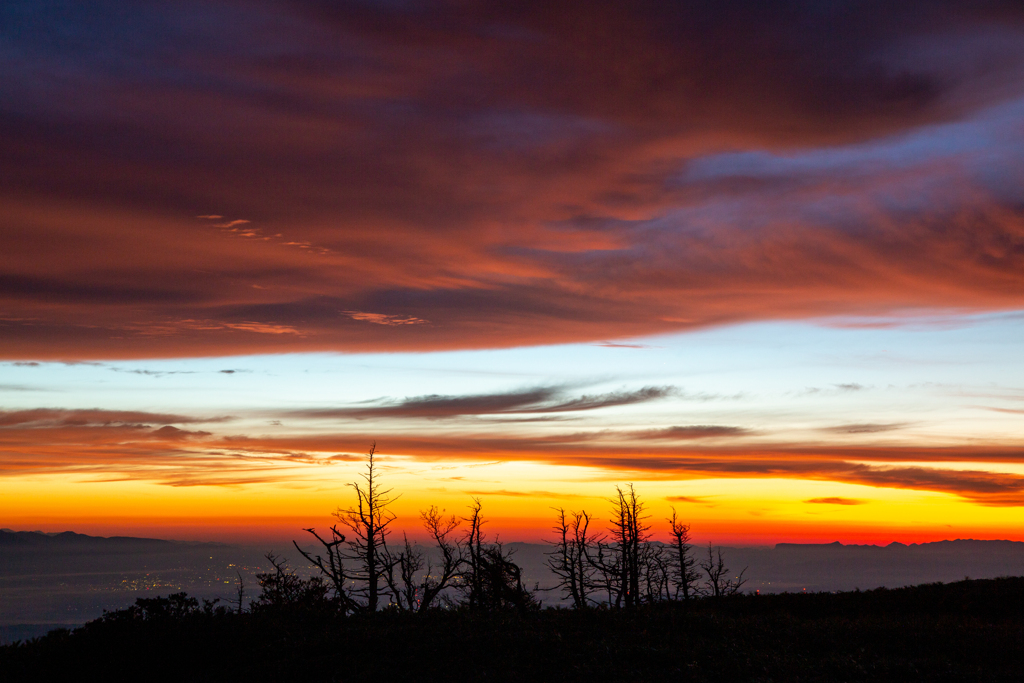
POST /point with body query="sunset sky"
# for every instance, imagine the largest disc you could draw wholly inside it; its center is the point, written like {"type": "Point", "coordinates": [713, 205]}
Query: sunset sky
{"type": "Point", "coordinates": [763, 260]}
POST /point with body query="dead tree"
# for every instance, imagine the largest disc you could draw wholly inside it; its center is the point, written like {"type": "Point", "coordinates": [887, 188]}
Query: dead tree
{"type": "Point", "coordinates": [442, 530]}
{"type": "Point", "coordinates": [501, 581]}
{"type": "Point", "coordinates": [718, 583]}
{"type": "Point", "coordinates": [356, 565]}
{"type": "Point", "coordinates": [239, 593]}
{"type": "Point", "coordinates": [472, 576]}
{"type": "Point", "coordinates": [405, 589]}
{"type": "Point", "coordinates": [416, 592]}
{"type": "Point", "coordinates": [632, 537]}
{"type": "Point", "coordinates": [605, 559]}
{"type": "Point", "coordinates": [368, 520]}
{"type": "Point", "coordinates": [682, 567]}
{"type": "Point", "coordinates": [654, 573]}
{"type": "Point", "coordinates": [490, 578]}
{"type": "Point", "coordinates": [332, 566]}
{"type": "Point", "coordinates": [570, 559]}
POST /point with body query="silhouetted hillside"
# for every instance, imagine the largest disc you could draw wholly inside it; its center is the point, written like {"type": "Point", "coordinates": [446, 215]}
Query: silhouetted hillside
{"type": "Point", "coordinates": [965, 631]}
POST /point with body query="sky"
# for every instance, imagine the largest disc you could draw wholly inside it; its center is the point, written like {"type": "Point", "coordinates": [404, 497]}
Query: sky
{"type": "Point", "coordinates": [765, 261]}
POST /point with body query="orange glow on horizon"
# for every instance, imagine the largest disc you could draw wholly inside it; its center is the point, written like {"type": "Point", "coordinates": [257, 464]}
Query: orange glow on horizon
{"type": "Point", "coordinates": [723, 511]}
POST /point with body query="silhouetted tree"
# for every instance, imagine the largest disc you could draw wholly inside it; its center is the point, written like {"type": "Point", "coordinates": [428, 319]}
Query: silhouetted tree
{"type": "Point", "coordinates": [654, 573]}
{"type": "Point", "coordinates": [368, 520]}
{"type": "Point", "coordinates": [624, 562]}
{"type": "Point", "coordinates": [442, 529]}
{"type": "Point", "coordinates": [570, 559]}
{"type": "Point", "coordinates": [356, 566]}
{"type": "Point", "coordinates": [490, 578]}
{"type": "Point", "coordinates": [283, 589]}
{"type": "Point", "coordinates": [239, 600]}
{"type": "Point", "coordinates": [683, 572]}
{"type": "Point", "coordinates": [719, 583]}
{"type": "Point", "coordinates": [332, 566]}
{"type": "Point", "coordinates": [405, 587]}
{"type": "Point", "coordinates": [472, 576]}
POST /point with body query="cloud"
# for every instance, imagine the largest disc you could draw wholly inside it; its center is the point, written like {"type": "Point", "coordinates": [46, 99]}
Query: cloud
{"type": "Point", "coordinates": [696, 500]}
{"type": "Point", "coordinates": [835, 501]}
{"type": "Point", "coordinates": [617, 398]}
{"type": "Point", "coordinates": [1012, 411]}
{"type": "Point", "coordinates": [515, 174]}
{"type": "Point", "coordinates": [692, 432]}
{"type": "Point", "coordinates": [152, 373]}
{"type": "Point", "coordinates": [438, 406]}
{"type": "Point", "coordinates": [520, 494]}
{"type": "Point", "coordinates": [383, 319]}
{"type": "Point", "coordinates": [866, 427]}
{"type": "Point", "coordinates": [47, 417]}
{"type": "Point", "coordinates": [612, 345]}
{"type": "Point", "coordinates": [526, 401]}
{"type": "Point", "coordinates": [171, 433]}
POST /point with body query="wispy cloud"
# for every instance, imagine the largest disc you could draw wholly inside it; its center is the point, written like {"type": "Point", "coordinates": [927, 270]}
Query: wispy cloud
{"type": "Point", "coordinates": [614, 345]}
{"type": "Point", "coordinates": [46, 417]}
{"type": "Point", "coordinates": [695, 500]}
{"type": "Point", "coordinates": [526, 401]}
{"type": "Point", "coordinates": [835, 501]}
{"type": "Point", "coordinates": [866, 427]}
{"type": "Point", "coordinates": [692, 432]}
{"type": "Point", "coordinates": [384, 319]}
{"type": "Point", "coordinates": [520, 494]}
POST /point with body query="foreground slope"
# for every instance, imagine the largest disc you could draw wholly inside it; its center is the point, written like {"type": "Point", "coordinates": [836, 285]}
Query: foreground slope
{"type": "Point", "coordinates": [969, 630]}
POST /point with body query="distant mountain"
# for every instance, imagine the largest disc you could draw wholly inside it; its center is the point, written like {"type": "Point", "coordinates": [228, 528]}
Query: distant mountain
{"type": "Point", "coordinates": [42, 540]}
{"type": "Point", "coordinates": [69, 578]}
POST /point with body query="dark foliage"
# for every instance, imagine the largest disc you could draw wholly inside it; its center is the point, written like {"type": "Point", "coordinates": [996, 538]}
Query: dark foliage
{"type": "Point", "coordinates": [970, 630]}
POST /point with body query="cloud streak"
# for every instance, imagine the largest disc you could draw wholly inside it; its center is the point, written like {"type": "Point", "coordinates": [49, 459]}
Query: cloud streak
{"type": "Point", "coordinates": [50, 417]}
{"type": "Point", "coordinates": [692, 432]}
{"type": "Point", "coordinates": [526, 401]}
{"type": "Point", "coordinates": [834, 500]}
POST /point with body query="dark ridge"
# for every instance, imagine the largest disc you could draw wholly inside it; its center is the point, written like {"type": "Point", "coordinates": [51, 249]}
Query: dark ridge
{"type": "Point", "coordinates": [53, 540]}
{"type": "Point", "coordinates": [962, 631]}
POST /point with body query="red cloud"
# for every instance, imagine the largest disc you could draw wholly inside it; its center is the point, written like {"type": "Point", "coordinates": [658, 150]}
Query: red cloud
{"type": "Point", "coordinates": [495, 175]}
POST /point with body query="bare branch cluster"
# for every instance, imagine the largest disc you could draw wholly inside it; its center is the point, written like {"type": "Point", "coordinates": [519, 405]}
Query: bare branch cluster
{"type": "Point", "coordinates": [625, 566]}
{"type": "Point", "coordinates": [622, 567]}
{"type": "Point", "coordinates": [719, 583]}
{"type": "Point", "coordinates": [365, 574]}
